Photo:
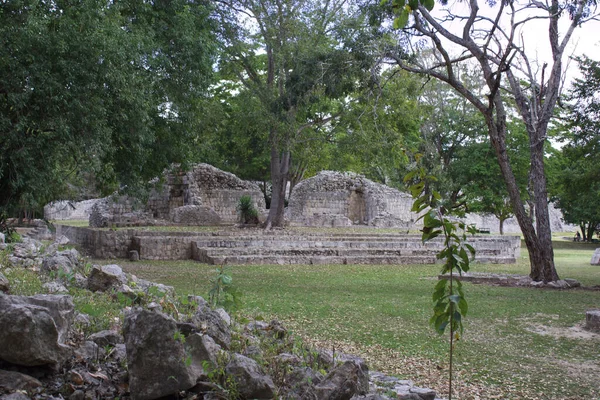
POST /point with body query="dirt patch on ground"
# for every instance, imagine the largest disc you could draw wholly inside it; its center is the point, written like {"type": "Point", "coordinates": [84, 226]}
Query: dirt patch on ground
{"type": "Point", "coordinates": [574, 332]}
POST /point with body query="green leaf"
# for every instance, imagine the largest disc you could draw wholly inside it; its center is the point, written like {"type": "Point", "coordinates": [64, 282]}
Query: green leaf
{"type": "Point", "coordinates": [463, 306]}
{"type": "Point", "coordinates": [454, 298]}
{"type": "Point", "coordinates": [417, 188]}
{"type": "Point", "coordinates": [226, 279]}
{"type": "Point", "coordinates": [401, 20]}
{"type": "Point", "coordinates": [428, 4]}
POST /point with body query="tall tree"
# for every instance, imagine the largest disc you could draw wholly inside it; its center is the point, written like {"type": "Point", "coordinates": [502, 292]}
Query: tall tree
{"type": "Point", "coordinates": [493, 43]}
{"type": "Point", "coordinates": [107, 88]}
{"type": "Point", "coordinates": [576, 186]}
{"type": "Point", "coordinates": [299, 58]}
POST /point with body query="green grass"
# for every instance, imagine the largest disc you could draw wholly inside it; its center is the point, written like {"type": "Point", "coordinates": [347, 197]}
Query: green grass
{"type": "Point", "coordinates": [382, 312]}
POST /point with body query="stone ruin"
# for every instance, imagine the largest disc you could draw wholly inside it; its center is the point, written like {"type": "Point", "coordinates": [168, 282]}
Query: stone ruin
{"type": "Point", "coordinates": [344, 199]}
{"type": "Point", "coordinates": [65, 209]}
{"type": "Point", "coordinates": [205, 195]}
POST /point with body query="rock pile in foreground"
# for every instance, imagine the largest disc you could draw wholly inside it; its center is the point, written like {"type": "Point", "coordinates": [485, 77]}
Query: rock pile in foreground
{"type": "Point", "coordinates": [161, 347]}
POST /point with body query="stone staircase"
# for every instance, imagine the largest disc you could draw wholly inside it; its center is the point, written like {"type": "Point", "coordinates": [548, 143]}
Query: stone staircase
{"type": "Point", "coordinates": [341, 249]}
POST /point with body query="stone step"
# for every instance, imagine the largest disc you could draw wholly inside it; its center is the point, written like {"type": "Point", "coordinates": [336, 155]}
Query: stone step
{"type": "Point", "coordinates": [305, 243]}
{"type": "Point", "coordinates": [344, 252]}
{"type": "Point", "coordinates": [287, 259]}
{"type": "Point", "coordinates": [319, 260]}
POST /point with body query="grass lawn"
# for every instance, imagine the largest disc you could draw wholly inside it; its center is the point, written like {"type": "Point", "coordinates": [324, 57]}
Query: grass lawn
{"type": "Point", "coordinates": [519, 343]}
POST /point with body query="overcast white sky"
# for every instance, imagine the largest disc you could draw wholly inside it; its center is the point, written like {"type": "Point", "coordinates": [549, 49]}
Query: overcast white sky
{"type": "Point", "coordinates": [585, 40]}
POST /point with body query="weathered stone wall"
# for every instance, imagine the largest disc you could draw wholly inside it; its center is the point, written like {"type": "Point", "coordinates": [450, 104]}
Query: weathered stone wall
{"type": "Point", "coordinates": [362, 201]}
{"type": "Point", "coordinates": [69, 210]}
{"type": "Point", "coordinates": [99, 243]}
{"type": "Point", "coordinates": [163, 247]}
{"type": "Point", "coordinates": [512, 226]}
{"type": "Point", "coordinates": [118, 211]}
{"type": "Point", "coordinates": [118, 243]}
{"type": "Point", "coordinates": [207, 186]}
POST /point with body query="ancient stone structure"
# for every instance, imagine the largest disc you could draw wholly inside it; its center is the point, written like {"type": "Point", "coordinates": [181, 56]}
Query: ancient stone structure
{"type": "Point", "coordinates": [69, 210]}
{"type": "Point", "coordinates": [289, 247]}
{"type": "Point", "coordinates": [118, 211]}
{"type": "Point", "coordinates": [512, 226]}
{"type": "Point", "coordinates": [213, 192]}
{"type": "Point", "coordinates": [342, 199]}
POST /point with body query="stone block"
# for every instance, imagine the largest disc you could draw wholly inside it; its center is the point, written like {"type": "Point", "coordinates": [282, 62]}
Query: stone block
{"type": "Point", "coordinates": [592, 320]}
{"type": "Point", "coordinates": [595, 257]}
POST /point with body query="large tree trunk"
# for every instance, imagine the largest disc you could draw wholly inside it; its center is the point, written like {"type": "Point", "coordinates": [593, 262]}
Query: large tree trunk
{"type": "Point", "coordinates": [545, 269]}
{"type": "Point", "coordinates": [280, 168]}
{"type": "Point", "coordinates": [541, 255]}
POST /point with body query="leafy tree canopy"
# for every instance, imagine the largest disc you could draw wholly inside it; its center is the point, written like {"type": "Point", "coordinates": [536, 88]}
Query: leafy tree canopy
{"type": "Point", "coordinates": [98, 89]}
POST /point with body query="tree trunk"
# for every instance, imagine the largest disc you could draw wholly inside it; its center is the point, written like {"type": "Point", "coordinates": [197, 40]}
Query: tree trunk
{"type": "Point", "coordinates": [545, 270]}
{"type": "Point", "coordinates": [501, 226]}
{"type": "Point", "coordinates": [590, 230]}
{"type": "Point", "coordinates": [540, 259]}
{"type": "Point", "coordinates": [280, 168]}
{"type": "Point", "coordinates": [583, 231]}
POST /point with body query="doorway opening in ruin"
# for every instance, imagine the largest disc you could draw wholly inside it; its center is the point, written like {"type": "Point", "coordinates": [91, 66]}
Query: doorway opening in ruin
{"type": "Point", "coordinates": [357, 208]}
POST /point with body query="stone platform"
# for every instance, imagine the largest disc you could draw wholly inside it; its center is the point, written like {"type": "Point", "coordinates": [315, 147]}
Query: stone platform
{"type": "Point", "coordinates": [281, 247]}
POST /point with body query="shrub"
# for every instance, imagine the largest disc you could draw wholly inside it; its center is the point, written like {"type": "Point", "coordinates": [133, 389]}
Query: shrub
{"type": "Point", "coordinates": [248, 213]}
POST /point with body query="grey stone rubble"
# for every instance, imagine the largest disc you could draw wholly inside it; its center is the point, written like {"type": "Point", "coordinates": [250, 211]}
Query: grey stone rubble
{"type": "Point", "coordinates": [512, 280]}
{"type": "Point", "coordinates": [164, 356]}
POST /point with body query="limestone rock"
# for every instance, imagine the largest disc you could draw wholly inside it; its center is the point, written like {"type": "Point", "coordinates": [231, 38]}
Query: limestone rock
{"type": "Point", "coordinates": [134, 255]}
{"type": "Point", "coordinates": [155, 356]}
{"type": "Point", "coordinates": [211, 323]}
{"type": "Point", "coordinates": [415, 393]}
{"type": "Point", "coordinates": [88, 350]}
{"type": "Point", "coordinates": [55, 287]}
{"type": "Point", "coordinates": [195, 215]}
{"type": "Point", "coordinates": [252, 383]}
{"type": "Point", "coordinates": [596, 257]}
{"type": "Point", "coordinates": [28, 248]}
{"type": "Point", "coordinates": [15, 396]}
{"type": "Point", "coordinates": [201, 348]}
{"type": "Point", "coordinates": [301, 381]}
{"type": "Point", "coordinates": [12, 381]}
{"type": "Point", "coordinates": [592, 320]}
{"type": "Point", "coordinates": [224, 316]}
{"type": "Point", "coordinates": [106, 338]}
{"type": "Point", "coordinates": [35, 328]}
{"type": "Point", "coordinates": [4, 284]}
{"type": "Point", "coordinates": [146, 286]}
{"type": "Point", "coordinates": [62, 240]}
{"type": "Point", "coordinates": [104, 277]}
{"type": "Point", "coordinates": [349, 379]}
{"type": "Point", "coordinates": [2, 237]}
